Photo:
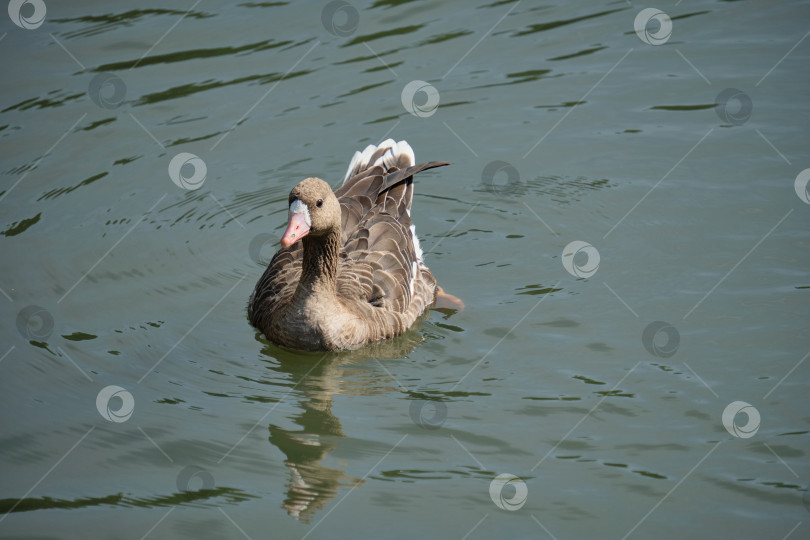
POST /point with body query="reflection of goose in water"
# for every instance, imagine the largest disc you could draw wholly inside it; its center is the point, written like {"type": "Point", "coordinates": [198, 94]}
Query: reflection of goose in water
{"type": "Point", "coordinates": [311, 484]}
{"type": "Point", "coordinates": [317, 378]}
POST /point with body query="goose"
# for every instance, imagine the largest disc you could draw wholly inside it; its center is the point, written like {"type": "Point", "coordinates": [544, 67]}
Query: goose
{"type": "Point", "coordinates": [350, 269]}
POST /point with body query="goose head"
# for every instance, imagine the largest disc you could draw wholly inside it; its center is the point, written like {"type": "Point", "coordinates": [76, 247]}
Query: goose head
{"type": "Point", "coordinates": [314, 211]}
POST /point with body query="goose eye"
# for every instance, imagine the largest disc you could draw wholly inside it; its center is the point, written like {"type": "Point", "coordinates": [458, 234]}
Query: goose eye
{"type": "Point", "coordinates": [319, 203]}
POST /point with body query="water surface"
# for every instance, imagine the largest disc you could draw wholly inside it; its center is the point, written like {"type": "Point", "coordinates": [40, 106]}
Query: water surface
{"type": "Point", "coordinates": [562, 124]}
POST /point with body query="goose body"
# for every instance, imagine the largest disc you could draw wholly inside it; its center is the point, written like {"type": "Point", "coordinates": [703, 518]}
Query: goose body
{"type": "Point", "coordinates": [350, 270]}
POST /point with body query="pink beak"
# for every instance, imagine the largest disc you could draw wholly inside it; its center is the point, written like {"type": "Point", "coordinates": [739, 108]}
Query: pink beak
{"type": "Point", "coordinates": [296, 229]}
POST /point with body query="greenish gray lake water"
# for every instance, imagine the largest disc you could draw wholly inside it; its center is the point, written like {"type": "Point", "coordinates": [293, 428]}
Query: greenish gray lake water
{"type": "Point", "coordinates": [626, 219]}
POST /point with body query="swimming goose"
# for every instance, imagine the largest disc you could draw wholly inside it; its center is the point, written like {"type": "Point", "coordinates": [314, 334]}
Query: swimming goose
{"type": "Point", "coordinates": [350, 270]}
